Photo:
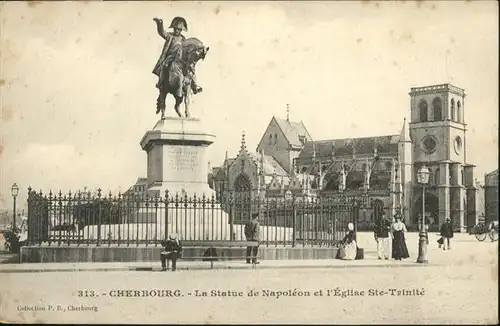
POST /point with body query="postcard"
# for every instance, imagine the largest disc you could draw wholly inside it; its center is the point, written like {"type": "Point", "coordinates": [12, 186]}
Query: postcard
{"type": "Point", "coordinates": [291, 162]}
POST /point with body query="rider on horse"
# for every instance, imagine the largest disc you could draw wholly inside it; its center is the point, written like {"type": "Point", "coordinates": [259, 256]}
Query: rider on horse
{"type": "Point", "coordinates": [172, 49]}
{"type": "Point", "coordinates": [176, 66]}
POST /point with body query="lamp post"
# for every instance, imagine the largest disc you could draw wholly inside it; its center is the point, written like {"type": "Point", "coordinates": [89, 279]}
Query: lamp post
{"type": "Point", "coordinates": [422, 178]}
{"type": "Point", "coordinates": [14, 191]}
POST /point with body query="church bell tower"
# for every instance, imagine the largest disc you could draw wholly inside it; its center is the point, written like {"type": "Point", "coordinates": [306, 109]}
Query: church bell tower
{"type": "Point", "coordinates": [438, 132]}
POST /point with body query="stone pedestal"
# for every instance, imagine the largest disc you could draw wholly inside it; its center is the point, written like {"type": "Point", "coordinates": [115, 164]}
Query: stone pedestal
{"type": "Point", "coordinates": [177, 162]}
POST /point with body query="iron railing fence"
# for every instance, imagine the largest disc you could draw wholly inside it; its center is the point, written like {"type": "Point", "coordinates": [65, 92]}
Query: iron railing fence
{"type": "Point", "coordinates": [85, 219]}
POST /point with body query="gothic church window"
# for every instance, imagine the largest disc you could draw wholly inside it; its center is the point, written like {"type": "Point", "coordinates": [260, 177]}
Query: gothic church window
{"type": "Point", "coordinates": [380, 176]}
{"type": "Point", "coordinates": [459, 112]}
{"type": "Point", "coordinates": [452, 109]}
{"type": "Point", "coordinates": [270, 139]}
{"type": "Point", "coordinates": [423, 110]}
{"type": "Point", "coordinates": [275, 138]}
{"type": "Point", "coordinates": [242, 186]}
{"type": "Point", "coordinates": [437, 108]}
{"type": "Point", "coordinates": [457, 144]}
{"type": "Point", "coordinates": [437, 176]}
{"type": "Point", "coordinates": [429, 144]}
{"type": "Point", "coordinates": [333, 181]}
{"type": "Point", "coordinates": [355, 180]}
{"type": "Point", "coordinates": [242, 183]}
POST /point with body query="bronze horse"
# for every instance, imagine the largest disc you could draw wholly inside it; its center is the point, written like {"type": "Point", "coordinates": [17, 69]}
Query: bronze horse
{"type": "Point", "coordinates": [182, 75]}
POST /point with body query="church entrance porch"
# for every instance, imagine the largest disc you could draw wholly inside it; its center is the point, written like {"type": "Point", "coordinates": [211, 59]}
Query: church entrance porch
{"type": "Point", "coordinates": [431, 212]}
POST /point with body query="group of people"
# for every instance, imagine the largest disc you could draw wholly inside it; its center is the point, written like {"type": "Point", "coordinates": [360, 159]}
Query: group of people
{"type": "Point", "coordinates": [396, 231]}
{"type": "Point", "coordinates": [383, 231]}
{"type": "Point", "coordinates": [173, 247]}
{"type": "Point", "coordinates": [386, 230]}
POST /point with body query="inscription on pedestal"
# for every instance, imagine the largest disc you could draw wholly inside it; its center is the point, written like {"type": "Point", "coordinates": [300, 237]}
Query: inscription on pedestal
{"type": "Point", "coordinates": [183, 159]}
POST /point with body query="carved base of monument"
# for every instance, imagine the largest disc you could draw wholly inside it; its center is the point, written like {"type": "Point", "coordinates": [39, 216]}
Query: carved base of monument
{"type": "Point", "coordinates": [177, 161]}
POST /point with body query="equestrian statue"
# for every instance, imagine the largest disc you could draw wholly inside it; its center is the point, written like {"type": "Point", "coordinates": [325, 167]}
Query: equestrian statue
{"type": "Point", "coordinates": [176, 66]}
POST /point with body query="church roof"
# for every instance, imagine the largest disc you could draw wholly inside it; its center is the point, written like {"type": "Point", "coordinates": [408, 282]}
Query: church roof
{"type": "Point", "coordinates": [141, 181]}
{"type": "Point", "coordinates": [493, 173]}
{"type": "Point", "coordinates": [293, 183]}
{"type": "Point", "coordinates": [221, 171]}
{"type": "Point", "coordinates": [270, 164]}
{"type": "Point", "coordinates": [292, 130]}
{"type": "Point", "coordinates": [491, 179]}
{"type": "Point", "coordinates": [344, 147]}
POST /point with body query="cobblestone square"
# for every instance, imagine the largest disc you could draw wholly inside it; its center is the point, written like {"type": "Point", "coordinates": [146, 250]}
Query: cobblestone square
{"type": "Point", "coordinates": [457, 286]}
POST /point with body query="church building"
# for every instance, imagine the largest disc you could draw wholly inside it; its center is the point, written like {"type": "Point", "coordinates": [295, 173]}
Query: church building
{"type": "Point", "coordinates": [381, 171]}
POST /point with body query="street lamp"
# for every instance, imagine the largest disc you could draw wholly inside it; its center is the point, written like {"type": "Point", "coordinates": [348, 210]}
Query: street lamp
{"type": "Point", "coordinates": [423, 178]}
{"type": "Point", "coordinates": [14, 191]}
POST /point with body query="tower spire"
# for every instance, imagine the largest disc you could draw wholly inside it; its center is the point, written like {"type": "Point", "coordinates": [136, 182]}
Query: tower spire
{"type": "Point", "coordinates": [405, 133]}
{"type": "Point", "coordinates": [243, 143]}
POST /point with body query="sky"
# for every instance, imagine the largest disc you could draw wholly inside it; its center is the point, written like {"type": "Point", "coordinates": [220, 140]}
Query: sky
{"type": "Point", "coordinates": [77, 93]}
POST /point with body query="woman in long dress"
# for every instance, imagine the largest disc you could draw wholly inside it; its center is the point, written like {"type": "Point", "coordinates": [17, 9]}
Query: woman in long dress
{"type": "Point", "coordinates": [398, 230]}
{"type": "Point", "coordinates": [348, 247]}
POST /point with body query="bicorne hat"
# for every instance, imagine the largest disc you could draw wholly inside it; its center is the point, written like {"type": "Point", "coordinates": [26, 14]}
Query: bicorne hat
{"type": "Point", "coordinates": [179, 22]}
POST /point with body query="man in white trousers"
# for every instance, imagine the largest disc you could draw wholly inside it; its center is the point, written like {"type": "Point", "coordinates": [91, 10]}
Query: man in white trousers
{"type": "Point", "coordinates": [382, 228]}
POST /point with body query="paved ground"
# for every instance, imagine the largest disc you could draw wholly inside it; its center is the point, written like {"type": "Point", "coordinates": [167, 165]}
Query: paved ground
{"type": "Point", "coordinates": [365, 240]}
{"type": "Point", "coordinates": [459, 286]}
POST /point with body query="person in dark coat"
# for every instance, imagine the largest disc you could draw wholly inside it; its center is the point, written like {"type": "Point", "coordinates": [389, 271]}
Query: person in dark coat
{"type": "Point", "coordinates": [382, 228]}
{"type": "Point", "coordinates": [252, 233]}
{"type": "Point", "coordinates": [398, 230]}
{"type": "Point", "coordinates": [446, 232]}
{"type": "Point", "coordinates": [173, 251]}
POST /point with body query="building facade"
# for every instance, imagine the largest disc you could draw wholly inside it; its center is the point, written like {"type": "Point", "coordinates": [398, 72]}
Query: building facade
{"type": "Point", "coordinates": [380, 171]}
{"type": "Point", "coordinates": [491, 196]}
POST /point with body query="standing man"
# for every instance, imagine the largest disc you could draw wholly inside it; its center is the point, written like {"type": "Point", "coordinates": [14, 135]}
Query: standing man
{"type": "Point", "coordinates": [382, 227]}
{"type": "Point", "coordinates": [252, 233]}
{"type": "Point", "coordinates": [446, 233]}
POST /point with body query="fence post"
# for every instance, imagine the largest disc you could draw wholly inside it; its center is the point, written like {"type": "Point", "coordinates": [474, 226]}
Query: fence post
{"type": "Point", "coordinates": [59, 212]}
{"type": "Point", "coordinates": [294, 218]}
{"type": "Point", "coordinates": [166, 215]}
{"type": "Point", "coordinates": [71, 220]}
{"type": "Point", "coordinates": [30, 218]}
{"type": "Point", "coordinates": [98, 217]}
{"type": "Point", "coordinates": [356, 206]}
{"type": "Point", "coordinates": [231, 218]}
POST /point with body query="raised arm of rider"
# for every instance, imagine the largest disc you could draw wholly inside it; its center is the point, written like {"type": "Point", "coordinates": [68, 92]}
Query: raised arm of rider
{"type": "Point", "coordinates": [159, 27]}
